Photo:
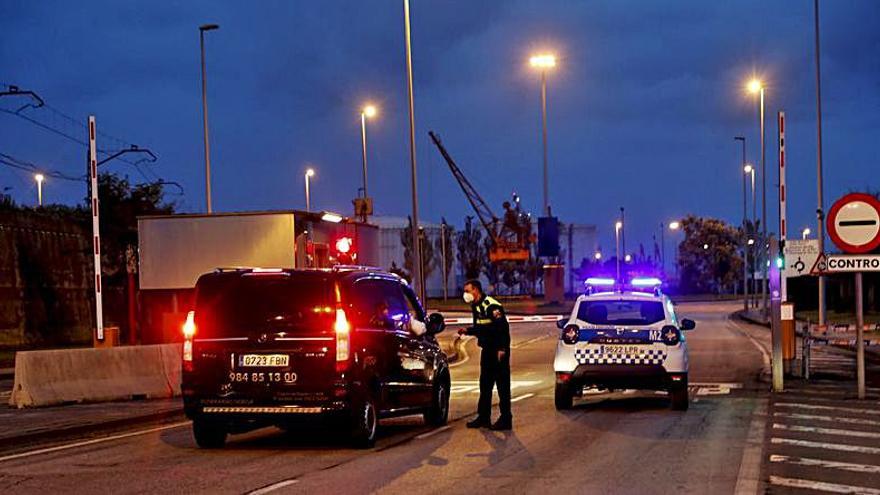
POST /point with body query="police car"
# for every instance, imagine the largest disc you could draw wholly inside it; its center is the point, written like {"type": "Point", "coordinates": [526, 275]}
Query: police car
{"type": "Point", "coordinates": [622, 337]}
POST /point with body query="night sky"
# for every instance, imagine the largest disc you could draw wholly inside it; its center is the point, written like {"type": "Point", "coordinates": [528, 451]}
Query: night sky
{"type": "Point", "coordinates": [643, 105]}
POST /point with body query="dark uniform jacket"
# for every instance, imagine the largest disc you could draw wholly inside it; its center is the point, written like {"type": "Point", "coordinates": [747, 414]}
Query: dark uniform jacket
{"type": "Point", "coordinates": [490, 324]}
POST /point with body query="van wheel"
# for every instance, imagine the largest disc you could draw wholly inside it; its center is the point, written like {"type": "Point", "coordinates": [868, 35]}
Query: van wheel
{"type": "Point", "coordinates": [365, 422]}
{"type": "Point", "coordinates": [563, 397]}
{"type": "Point", "coordinates": [438, 414]}
{"type": "Point", "coordinates": [209, 435]}
{"type": "Point", "coordinates": [679, 395]}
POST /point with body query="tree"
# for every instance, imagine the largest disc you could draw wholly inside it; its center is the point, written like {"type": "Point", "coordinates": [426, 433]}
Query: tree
{"type": "Point", "coordinates": [429, 261]}
{"type": "Point", "coordinates": [446, 237]}
{"type": "Point", "coordinates": [708, 257]}
{"type": "Point", "coordinates": [121, 204]}
{"type": "Point", "coordinates": [471, 251]}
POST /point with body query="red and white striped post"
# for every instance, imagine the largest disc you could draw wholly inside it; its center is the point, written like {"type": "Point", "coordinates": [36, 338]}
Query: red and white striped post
{"type": "Point", "coordinates": [782, 197]}
{"type": "Point", "coordinates": [96, 232]}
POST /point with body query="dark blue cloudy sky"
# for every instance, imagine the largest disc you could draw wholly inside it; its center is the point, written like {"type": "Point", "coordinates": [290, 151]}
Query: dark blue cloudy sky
{"type": "Point", "coordinates": [643, 105]}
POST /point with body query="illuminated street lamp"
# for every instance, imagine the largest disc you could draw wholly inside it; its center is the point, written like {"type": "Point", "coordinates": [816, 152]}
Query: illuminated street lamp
{"type": "Point", "coordinates": [369, 111]}
{"type": "Point", "coordinates": [543, 62]}
{"type": "Point", "coordinates": [597, 256]}
{"type": "Point", "coordinates": [39, 178]}
{"type": "Point", "coordinates": [628, 258]}
{"type": "Point", "coordinates": [617, 226]}
{"type": "Point", "coordinates": [805, 233]}
{"type": "Point", "coordinates": [674, 225]}
{"type": "Point", "coordinates": [755, 86]}
{"type": "Point", "coordinates": [309, 174]}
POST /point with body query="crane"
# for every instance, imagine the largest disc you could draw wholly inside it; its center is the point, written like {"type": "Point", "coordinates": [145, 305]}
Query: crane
{"type": "Point", "coordinates": [510, 238]}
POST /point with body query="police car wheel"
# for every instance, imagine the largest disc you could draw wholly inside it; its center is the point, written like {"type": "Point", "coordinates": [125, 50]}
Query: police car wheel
{"type": "Point", "coordinates": [679, 396]}
{"type": "Point", "coordinates": [438, 413]}
{"type": "Point", "coordinates": [563, 397]}
{"type": "Point", "coordinates": [208, 435]}
{"type": "Point", "coordinates": [365, 422]}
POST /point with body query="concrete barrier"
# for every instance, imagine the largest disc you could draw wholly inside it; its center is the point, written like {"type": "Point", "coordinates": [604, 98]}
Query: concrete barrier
{"type": "Point", "coordinates": [45, 378]}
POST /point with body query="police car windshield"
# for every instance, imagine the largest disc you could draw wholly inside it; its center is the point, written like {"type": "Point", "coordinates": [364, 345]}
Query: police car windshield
{"type": "Point", "coordinates": [625, 312]}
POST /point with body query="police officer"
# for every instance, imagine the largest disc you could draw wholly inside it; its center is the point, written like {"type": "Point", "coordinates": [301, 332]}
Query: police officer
{"type": "Point", "coordinates": [493, 337]}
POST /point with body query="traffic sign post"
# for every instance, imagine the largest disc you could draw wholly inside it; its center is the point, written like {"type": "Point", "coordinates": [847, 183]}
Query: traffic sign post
{"type": "Point", "coordinates": [775, 273]}
{"type": "Point", "coordinates": [854, 226]}
{"type": "Point", "coordinates": [783, 235]}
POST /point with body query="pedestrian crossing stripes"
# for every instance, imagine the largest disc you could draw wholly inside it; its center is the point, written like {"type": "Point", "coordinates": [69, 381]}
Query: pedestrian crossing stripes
{"type": "Point", "coordinates": [822, 441]}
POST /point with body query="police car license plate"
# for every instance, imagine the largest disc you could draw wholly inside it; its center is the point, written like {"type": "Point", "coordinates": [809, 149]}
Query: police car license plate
{"type": "Point", "coordinates": [621, 350]}
{"type": "Point", "coordinates": [263, 360]}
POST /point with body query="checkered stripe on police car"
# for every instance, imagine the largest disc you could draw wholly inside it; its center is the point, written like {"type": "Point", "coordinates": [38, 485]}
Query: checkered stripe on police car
{"type": "Point", "coordinates": [595, 356]}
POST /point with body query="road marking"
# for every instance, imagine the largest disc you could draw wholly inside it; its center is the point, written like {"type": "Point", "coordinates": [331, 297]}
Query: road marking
{"type": "Point", "coordinates": [827, 431]}
{"type": "Point", "coordinates": [840, 447]}
{"type": "Point", "coordinates": [272, 487]}
{"type": "Point", "coordinates": [84, 443]}
{"type": "Point", "coordinates": [463, 349]}
{"type": "Point", "coordinates": [473, 386]}
{"type": "Point", "coordinates": [529, 341]}
{"type": "Point", "coordinates": [827, 408]}
{"type": "Point", "coordinates": [521, 397]}
{"type": "Point", "coordinates": [822, 486]}
{"type": "Point", "coordinates": [433, 432]}
{"type": "Point", "coordinates": [749, 477]}
{"type": "Point", "coordinates": [764, 352]}
{"type": "Point", "coordinates": [854, 421]}
{"type": "Point", "coordinates": [845, 466]}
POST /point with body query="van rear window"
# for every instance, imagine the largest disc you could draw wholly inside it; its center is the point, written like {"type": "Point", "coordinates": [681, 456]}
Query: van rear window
{"type": "Point", "coordinates": [240, 305]}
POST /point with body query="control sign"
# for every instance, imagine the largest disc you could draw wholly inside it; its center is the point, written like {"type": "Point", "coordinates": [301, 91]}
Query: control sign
{"type": "Point", "coordinates": [800, 256]}
{"type": "Point", "coordinates": [842, 263]}
{"type": "Point", "coordinates": [854, 223]}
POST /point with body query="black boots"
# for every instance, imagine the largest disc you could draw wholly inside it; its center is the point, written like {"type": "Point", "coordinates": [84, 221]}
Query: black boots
{"type": "Point", "coordinates": [478, 423]}
{"type": "Point", "coordinates": [503, 424]}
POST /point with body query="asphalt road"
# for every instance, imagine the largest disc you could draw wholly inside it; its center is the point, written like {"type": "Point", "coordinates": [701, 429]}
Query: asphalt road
{"type": "Point", "coordinates": [625, 442]}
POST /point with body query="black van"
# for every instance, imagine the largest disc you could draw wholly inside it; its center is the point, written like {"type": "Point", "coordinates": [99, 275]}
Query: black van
{"type": "Point", "coordinates": [281, 347]}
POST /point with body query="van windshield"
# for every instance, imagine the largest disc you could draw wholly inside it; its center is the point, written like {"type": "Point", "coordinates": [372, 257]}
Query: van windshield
{"type": "Point", "coordinates": [626, 312]}
{"type": "Point", "coordinates": [240, 305]}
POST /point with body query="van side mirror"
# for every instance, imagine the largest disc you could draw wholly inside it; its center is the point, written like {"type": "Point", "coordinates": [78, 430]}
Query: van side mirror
{"type": "Point", "coordinates": [687, 324]}
{"type": "Point", "coordinates": [435, 323]}
{"type": "Point", "coordinates": [560, 323]}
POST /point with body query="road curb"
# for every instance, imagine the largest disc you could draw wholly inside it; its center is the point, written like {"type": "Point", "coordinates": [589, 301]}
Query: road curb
{"type": "Point", "coordinates": [16, 442]}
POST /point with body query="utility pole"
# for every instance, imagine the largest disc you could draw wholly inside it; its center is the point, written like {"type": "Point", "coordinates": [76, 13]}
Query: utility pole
{"type": "Point", "coordinates": [202, 29]}
{"type": "Point", "coordinates": [745, 214]}
{"type": "Point", "coordinates": [96, 227]}
{"type": "Point", "coordinates": [414, 184]}
{"type": "Point", "coordinates": [820, 208]}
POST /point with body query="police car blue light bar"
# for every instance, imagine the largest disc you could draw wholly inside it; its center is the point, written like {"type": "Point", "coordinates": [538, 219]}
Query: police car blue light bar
{"type": "Point", "coordinates": [646, 282]}
{"type": "Point", "coordinates": [600, 281]}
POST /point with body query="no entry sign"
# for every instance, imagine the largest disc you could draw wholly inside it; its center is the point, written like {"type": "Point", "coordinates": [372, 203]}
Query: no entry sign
{"type": "Point", "coordinates": [854, 223]}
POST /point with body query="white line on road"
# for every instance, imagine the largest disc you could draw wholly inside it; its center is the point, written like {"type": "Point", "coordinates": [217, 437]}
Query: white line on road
{"type": "Point", "coordinates": [844, 466]}
{"type": "Point", "coordinates": [840, 447]}
{"type": "Point", "coordinates": [521, 397]}
{"type": "Point", "coordinates": [819, 407]}
{"type": "Point", "coordinates": [822, 486]}
{"type": "Point", "coordinates": [462, 348]}
{"type": "Point", "coordinates": [853, 421]}
{"type": "Point", "coordinates": [272, 487]}
{"type": "Point", "coordinates": [764, 352]}
{"type": "Point", "coordinates": [433, 432]}
{"type": "Point", "coordinates": [749, 477]}
{"type": "Point", "coordinates": [827, 431]}
{"type": "Point", "coordinates": [84, 443]}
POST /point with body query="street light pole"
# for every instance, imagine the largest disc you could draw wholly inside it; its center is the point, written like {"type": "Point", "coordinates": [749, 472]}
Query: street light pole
{"type": "Point", "coordinates": [663, 248]}
{"type": "Point", "coordinates": [202, 29]}
{"type": "Point", "coordinates": [745, 214]}
{"type": "Point", "coordinates": [544, 134]}
{"type": "Point", "coordinates": [617, 226]}
{"type": "Point", "coordinates": [763, 202]}
{"type": "Point", "coordinates": [414, 185]}
{"type": "Point", "coordinates": [544, 62]}
{"type": "Point", "coordinates": [820, 208]}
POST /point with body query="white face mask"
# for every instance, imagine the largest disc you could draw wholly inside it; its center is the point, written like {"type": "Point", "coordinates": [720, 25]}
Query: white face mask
{"type": "Point", "coordinates": [468, 297]}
